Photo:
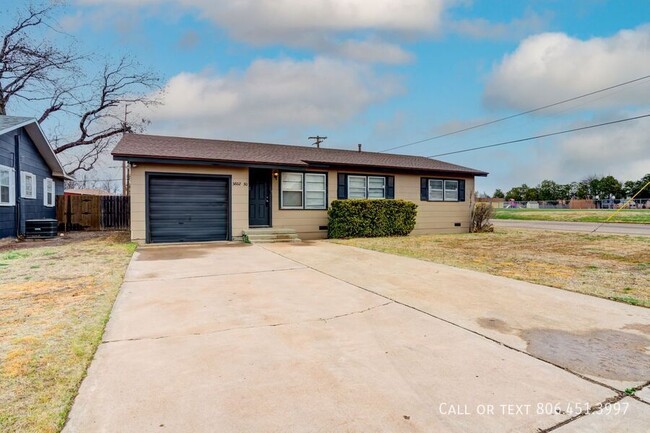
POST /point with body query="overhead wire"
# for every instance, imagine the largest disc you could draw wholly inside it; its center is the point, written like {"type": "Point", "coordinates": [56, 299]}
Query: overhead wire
{"type": "Point", "coordinates": [523, 113]}
{"type": "Point", "coordinates": [535, 137]}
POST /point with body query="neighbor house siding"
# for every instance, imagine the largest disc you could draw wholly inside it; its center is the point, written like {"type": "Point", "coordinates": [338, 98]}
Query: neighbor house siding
{"type": "Point", "coordinates": [239, 199]}
{"type": "Point", "coordinates": [30, 161]}
{"type": "Point", "coordinates": [438, 217]}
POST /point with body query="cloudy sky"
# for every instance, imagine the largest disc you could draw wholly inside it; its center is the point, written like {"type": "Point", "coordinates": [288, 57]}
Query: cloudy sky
{"type": "Point", "coordinates": [390, 72]}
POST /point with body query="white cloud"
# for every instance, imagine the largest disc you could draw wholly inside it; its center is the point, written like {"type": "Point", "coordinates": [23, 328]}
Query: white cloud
{"type": "Point", "coordinates": [621, 150]}
{"type": "Point", "coordinates": [553, 66]}
{"type": "Point", "coordinates": [270, 95]}
{"type": "Point", "coordinates": [353, 29]}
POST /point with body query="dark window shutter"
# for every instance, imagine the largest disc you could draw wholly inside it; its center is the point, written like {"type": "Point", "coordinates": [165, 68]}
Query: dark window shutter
{"type": "Point", "coordinates": [342, 190]}
{"type": "Point", "coordinates": [424, 189]}
{"type": "Point", "coordinates": [461, 190]}
{"type": "Point", "coordinates": [390, 186]}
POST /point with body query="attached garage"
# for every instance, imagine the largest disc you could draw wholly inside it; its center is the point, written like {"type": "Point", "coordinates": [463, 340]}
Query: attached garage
{"type": "Point", "coordinates": [187, 208]}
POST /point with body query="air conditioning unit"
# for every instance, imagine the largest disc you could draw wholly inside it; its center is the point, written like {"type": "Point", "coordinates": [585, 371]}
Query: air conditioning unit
{"type": "Point", "coordinates": [41, 228]}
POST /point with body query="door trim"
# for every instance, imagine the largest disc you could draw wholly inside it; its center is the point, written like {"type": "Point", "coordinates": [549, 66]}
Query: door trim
{"type": "Point", "coordinates": [149, 174]}
{"type": "Point", "coordinates": [270, 173]}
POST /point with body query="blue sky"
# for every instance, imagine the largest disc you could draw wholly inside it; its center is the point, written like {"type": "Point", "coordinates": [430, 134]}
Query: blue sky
{"type": "Point", "coordinates": [387, 72]}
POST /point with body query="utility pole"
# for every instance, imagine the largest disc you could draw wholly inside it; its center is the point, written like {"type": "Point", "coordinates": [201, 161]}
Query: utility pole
{"type": "Point", "coordinates": [318, 139]}
{"type": "Point", "coordinates": [124, 181]}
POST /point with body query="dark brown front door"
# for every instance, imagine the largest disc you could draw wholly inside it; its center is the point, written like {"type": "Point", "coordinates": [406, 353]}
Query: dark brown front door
{"type": "Point", "coordinates": [259, 197]}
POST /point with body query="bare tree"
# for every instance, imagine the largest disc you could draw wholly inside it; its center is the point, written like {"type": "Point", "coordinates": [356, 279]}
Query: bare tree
{"type": "Point", "coordinates": [37, 72]}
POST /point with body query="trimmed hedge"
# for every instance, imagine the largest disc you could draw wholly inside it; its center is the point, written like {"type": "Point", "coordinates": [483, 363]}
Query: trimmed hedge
{"type": "Point", "coordinates": [370, 218]}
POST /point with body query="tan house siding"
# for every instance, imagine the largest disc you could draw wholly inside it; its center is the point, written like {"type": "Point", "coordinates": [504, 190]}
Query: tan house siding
{"type": "Point", "coordinates": [438, 217]}
{"type": "Point", "coordinates": [239, 205]}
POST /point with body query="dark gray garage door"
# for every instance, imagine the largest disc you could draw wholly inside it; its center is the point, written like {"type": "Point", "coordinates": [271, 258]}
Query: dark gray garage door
{"type": "Point", "coordinates": [186, 208]}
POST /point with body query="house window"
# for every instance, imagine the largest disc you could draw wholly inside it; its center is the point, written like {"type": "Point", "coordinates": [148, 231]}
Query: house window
{"type": "Point", "coordinates": [292, 190]}
{"type": "Point", "coordinates": [436, 191]}
{"type": "Point", "coordinates": [357, 186]}
{"type": "Point", "coordinates": [303, 191]}
{"type": "Point", "coordinates": [376, 187]}
{"type": "Point", "coordinates": [315, 191]}
{"type": "Point", "coordinates": [28, 185]}
{"type": "Point", "coordinates": [48, 192]}
{"type": "Point", "coordinates": [366, 186]}
{"type": "Point", "coordinates": [451, 190]}
{"type": "Point", "coordinates": [7, 194]}
{"type": "Point", "coordinates": [442, 189]}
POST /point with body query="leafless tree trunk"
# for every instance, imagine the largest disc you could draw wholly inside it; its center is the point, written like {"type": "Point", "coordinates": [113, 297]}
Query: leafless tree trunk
{"type": "Point", "coordinates": [43, 75]}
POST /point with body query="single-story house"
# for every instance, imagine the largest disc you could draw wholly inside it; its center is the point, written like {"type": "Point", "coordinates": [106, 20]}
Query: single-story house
{"type": "Point", "coordinates": [188, 189]}
{"type": "Point", "coordinates": [31, 175]}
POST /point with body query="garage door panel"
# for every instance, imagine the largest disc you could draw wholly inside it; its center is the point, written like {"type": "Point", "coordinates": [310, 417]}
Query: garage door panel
{"type": "Point", "coordinates": [188, 208]}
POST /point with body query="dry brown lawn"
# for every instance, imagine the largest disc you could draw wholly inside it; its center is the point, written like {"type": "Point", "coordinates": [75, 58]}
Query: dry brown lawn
{"type": "Point", "coordinates": [55, 298]}
{"type": "Point", "coordinates": [616, 267]}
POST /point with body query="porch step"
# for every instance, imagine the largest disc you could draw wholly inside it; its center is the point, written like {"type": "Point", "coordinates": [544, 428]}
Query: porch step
{"type": "Point", "coordinates": [267, 235]}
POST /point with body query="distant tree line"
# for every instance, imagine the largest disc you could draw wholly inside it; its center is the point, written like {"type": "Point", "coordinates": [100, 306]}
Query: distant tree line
{"type": "Point", "coordinates": [591, 187]}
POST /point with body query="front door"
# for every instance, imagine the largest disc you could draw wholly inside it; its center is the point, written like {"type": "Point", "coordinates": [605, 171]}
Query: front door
{"type": "Point", "coordinates": [259, 197]}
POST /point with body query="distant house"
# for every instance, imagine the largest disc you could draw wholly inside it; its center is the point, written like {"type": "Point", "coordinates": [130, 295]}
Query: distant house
{"type": "Point", "coordinates": [31, 175]}
{"type": "Point", "coordinates": [186, 189]}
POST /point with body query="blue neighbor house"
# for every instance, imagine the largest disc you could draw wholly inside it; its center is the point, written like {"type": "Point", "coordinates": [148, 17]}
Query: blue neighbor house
{"type": "Point", "coordinates": [31, 175]}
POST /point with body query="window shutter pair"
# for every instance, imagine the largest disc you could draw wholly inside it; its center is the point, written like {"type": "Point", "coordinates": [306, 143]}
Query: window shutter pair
{"type": "Point", "coordinates": [342, 187]}
{"type": "Point", "coordinates": [424, 189]}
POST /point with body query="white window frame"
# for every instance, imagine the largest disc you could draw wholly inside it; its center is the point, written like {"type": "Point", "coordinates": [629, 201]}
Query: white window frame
{"type": "Point", "coordinates": [383, 187]}
{"type": "Point", "coordinates": [365, 186]}
{"type": "Point", "coordinates": [445, 189]}
{"type": "Point", "coordinates": [47, 182]}
{"type": "Point", "coordinates": [323, 191]}
{"type": "Point", "coordinates": [24, 182]}
{"type": "Point", "coordinates": [441, 190]}
{"type": "Point", "coordinates": [11, 186]}
{"type": "Point", "coordinates": [302, 190]}
{"type": "Point", "coordinates": [366, 179]}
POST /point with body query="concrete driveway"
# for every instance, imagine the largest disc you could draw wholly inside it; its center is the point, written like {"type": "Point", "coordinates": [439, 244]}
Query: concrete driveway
{"type": "Point", "coordinates": [319, 337]}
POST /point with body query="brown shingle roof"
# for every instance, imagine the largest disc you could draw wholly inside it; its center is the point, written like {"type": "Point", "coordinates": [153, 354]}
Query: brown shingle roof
{"type": "Point", "coordinates": [193, 149]}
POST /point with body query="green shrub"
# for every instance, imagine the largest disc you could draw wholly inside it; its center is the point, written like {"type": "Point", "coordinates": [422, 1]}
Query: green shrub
{"type": "Point", "coordinates": [370, 218]}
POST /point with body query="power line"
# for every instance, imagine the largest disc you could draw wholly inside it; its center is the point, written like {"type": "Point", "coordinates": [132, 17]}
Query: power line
{"type": "Point", "coordinates": [550, 134]}
{"type": "Point", "coordinates": [491, 122]}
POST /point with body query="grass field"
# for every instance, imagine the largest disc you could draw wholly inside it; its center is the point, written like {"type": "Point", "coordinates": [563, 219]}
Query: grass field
{"type": "Point", "coordinates": [634, 216]}
{"type": "Point", "coordinates": [54, 303]}
{"type": "Point", "coordinates": [616, 267]}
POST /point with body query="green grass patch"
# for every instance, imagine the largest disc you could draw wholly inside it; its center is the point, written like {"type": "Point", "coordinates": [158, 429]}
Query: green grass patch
{"type": "Point", "coordinates": [631, 216]}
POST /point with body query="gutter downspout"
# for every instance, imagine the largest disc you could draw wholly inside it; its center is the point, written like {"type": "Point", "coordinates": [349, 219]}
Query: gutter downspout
{"type": "Point", "coordinates": [17, 189]}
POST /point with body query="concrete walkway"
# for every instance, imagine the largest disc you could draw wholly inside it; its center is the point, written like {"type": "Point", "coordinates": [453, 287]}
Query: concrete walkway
{"type": "Point", "coordinates": [612, 228]}
{"type": "Point", "coordinates": [318, 337]}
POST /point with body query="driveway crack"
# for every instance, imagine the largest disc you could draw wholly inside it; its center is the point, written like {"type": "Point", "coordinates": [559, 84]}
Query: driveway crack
{"type": "Point", "coordinates": [271, 325]}
{"type": "Point", "coordinates": [619, 394]}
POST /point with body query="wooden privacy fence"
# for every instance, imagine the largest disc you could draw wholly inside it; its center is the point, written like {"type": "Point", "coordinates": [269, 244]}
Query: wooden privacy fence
{"type": "Point", "coordinates": [93, 212]}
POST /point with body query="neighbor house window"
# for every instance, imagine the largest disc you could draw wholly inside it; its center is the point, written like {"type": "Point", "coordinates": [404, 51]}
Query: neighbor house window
{"type": "Point", "coordinates": [7, 194]}
{"type": "Point", "coordinates": [442, 189]}
{"type": "Point", "coordinates": [303, 191]}
{"type": "Point", "coordinates": [28, 185]}
{"type": "Point", "coordinates": [366, 186]}
{"type": "Point", "coordinates": [48, 192]}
